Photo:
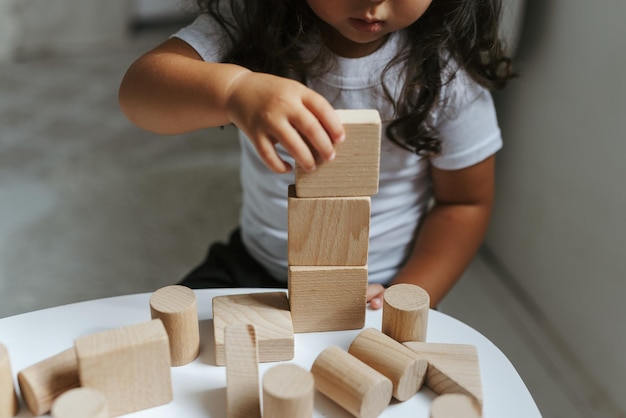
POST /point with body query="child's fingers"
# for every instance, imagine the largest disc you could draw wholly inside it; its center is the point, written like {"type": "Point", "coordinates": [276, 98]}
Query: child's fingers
{"type": "Point", "coordinates": [291, 139]}
{"type": "Point", "coordinates": [266, 150]}
{"type": "Point", "coordinates": [374, 295]}
{"type": "Point", "coordinates": [312, 131]}
{"type": "Point", "coordinates": [327, 117]}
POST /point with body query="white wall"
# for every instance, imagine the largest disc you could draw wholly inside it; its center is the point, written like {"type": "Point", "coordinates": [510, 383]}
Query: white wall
{"type": "Point", "coordinates": [560, 223]}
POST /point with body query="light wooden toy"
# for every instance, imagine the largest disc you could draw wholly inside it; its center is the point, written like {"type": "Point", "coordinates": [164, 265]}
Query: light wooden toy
{"type": "Point", "coordinates": [355, 169]}
{"type": "Point", "coordinates": [46, 380]}
{"type": "Point", "coordinates": [130, 366]}
{"type": "Point", "coordinates": [242, 372]}
{"type": "Point", "coordinates": [81, 403]}
{"type": "Point", "coordinates": [352, 384]}
{"type": "Point", "coordinates": [405, 368]}
{"type": "Point", "coordinates": [452, 368]}
{"type": "Point", "coordinates": [8, 398]}
{"type": "Point", "coordinates": [177, 308]}
{"type": "Point", "coordinates": [454, 406]}
{"type": "Point", "coordinates": [328, 231]}
{"type": "Point", "coordinates": [405, 312]}
{"type": "Point", "coordinates": [327, 298]}
{"type": "Point", "coordinates": [269, 312]}
{"type": "Point", "coordinates": [288, 392]}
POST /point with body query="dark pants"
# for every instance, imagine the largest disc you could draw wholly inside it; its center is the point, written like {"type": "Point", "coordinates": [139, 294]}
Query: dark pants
{"type": "Point", "coordinates": [229, 265]}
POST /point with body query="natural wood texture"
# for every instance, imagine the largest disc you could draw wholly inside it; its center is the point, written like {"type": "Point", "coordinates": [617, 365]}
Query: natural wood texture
{"type": "Point", "coordinates": [452, 368]}
{"type": "Point", "coordinates": [269, 312]}
{"type": "Point", "coordinates": [130, 366]}
{"type": "Point", "coordinates": [354, 171]}
{"type": "Point", "coordinates": [405, 368]}
{"type": "Point", "coordinates": [8, 398]}
{"type": "Point", "coordinates": [46, 380]}
{"type": "Point", "coordinates": [288, 392]}
{"type": "Point", "coordinates": [350, 383]}
{"type": "Point", "coordinates": [328, 231]}
{"type": "Point", "coordinates": [405, 312]}
{"type": "Point", "coordinates": [177, 308]}
{"type": "Point", "coordinates": [242, 372]}
{"type": "Point", "coordinates": [454, 405]}
{"type": "Point", "coordinates": [81, 403]}
{"type": "Point", "coordinates": [327, 298]}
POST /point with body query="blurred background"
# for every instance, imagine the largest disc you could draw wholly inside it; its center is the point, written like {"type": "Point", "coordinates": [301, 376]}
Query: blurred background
{"type": "Point", "coordinates": [91, 206]}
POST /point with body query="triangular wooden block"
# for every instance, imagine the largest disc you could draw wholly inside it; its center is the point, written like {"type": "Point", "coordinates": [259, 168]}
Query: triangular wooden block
{"type": "Point", "coordinates": [452, 368]}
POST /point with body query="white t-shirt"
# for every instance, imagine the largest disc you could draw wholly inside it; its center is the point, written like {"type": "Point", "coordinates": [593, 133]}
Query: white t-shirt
{"type": "Point", "coordinates": [468, 129]}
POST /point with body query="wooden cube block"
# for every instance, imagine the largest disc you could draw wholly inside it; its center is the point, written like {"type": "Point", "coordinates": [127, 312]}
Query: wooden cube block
{"type": "Point", "coordinates": [327, 298]}
{"type": "Point", "coordinates": [8, 397]}
{"type": "Point", "coordinates": [452, 368]}
{"type": "Point", "coordinates": [354, 172]}
{"type": "Point", "coordinates": [268, 312]}
{"type": "Point", "coordinates": [46, 380]}
{"type": "Point", "coordinates": [328, 231]}
{"type": "Point", "coordinates": [130, 366]}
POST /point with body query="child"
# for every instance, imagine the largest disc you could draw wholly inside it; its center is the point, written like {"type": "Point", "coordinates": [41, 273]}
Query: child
{"type": "Point", "coordinates": [277, 70]}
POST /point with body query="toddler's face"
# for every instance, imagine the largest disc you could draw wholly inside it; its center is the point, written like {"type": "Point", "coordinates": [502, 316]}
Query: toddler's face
{"type": "Point", "coordinates": [359, 27]}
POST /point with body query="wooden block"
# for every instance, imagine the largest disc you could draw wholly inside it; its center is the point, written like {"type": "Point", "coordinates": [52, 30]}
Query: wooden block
{"type": "Point", "coordinates": [328, 231]}
{"type": "Point", "coordinates": [269, 312]}
{"type": "Point", "coordinates": [405, 368]}
{"type": "Point", "coordinates": [354, 171]}
{"type": "Point", "coordinates": [452, 368]}
{"type": "Point", "coordinates": [46, 380]}
{"type": "Point", "coordinates": [242, 372]}
{"type": "Point", "coordinates": [177, 308]}
{"type": "Point", "coordinates": [8, 398]}
{"type": "Point", "coordinates": [327, 298]}
{"type": "Point", "coordinates": [405, 312]}
{"type": "Point", "coordinates": [350, 383]}
{"type": "Point", "coordinates": [454, 405]}
{"type": "Point", "coordinates": [288, 392]}
{"type": "Point", "coordinates": [130, 366]}
{"type": "Point", "coordinates": [81, 403]}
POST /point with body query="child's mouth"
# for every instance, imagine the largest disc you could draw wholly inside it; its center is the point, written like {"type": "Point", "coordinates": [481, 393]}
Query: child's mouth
{"type": "Point", "coordinates": [366, 26]}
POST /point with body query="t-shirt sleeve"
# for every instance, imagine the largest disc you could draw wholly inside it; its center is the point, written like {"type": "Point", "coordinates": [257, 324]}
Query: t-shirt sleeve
{"type": "Point", "coordinates": [467, 124]}
{"type": "Point", "coordinates": [207, 37]}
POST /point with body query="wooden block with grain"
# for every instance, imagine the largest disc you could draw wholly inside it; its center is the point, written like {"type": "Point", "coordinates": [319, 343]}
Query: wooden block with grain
{"type": "Point", "coordinates": [452, 368]}
{"type": "Point", "coordinates": [269, 312]}
{"type": "Point", "coordinates": [242, 371]}
{"type": "Point", "coordinates": [8, 398]}
{"type": "Point", "coordinates": [405, 368]}
{"type": "Point", "coordinates": [288, 392]}
{"type": "Point", "coordinates": [327, 298]}
{"type": "Point", "coordinates": [177, 308]}
{"type": "Point", "coordinates": [454, 405]}
{"type": "Point", "coordinates": [355, 169]}
{"type": "Point", "coordinates": [130, 366]}
{"type": "Point", "coordinates": [405, 312]}
{"type": "Point", "coordinates": [81, 403]}
{"type": "Point", "coordinates": [328, 231]}
{"type": "Point", "coordinates": [46, 380]}
{"type": "Point", "coordinates": [350, 383]}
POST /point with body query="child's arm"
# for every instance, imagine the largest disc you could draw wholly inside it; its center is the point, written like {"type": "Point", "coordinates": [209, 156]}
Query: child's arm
{"type": "Point", "coordinates": [172, 90]}
{"type": "Point", "coordinates": [451, 232]}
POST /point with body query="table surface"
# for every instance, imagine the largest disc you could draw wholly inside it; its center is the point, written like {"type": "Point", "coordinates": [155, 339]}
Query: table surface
{"type": "Point", "coordinates": [200, 387]}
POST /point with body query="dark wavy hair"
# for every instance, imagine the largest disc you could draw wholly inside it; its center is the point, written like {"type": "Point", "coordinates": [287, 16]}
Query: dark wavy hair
{"type": "Point", "coordinates": [269, 36]}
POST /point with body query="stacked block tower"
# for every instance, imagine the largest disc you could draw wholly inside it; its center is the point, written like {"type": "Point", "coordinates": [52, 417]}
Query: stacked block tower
{"type": "Point", "coordinates": [328, 228]}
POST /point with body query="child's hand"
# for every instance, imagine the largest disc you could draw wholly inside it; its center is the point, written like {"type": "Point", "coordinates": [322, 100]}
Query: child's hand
{"type": "Point", "coordinates": [375, 295]}
{"type": "Point", "coordinates": [271, 109]}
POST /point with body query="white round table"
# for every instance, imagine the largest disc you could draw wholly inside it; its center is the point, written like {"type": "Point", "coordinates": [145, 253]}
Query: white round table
{"type": "Point", "coordinates": [200, 387]}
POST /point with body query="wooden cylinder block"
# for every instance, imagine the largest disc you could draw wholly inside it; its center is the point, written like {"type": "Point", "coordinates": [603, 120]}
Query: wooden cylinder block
{"type": "Point", "coordinates": [43, 382]}
{"type": "Point", "coordinates": [454, 405]}
{"type": "Point", "coordinates": [177, 308]}
{"type": "Point", "coordinates": [81, 403]}
{"type": "Point", "coordinates": [405, 312]}
{"type": "Point", "coordinates": [352, 384]}
{"type": "Point", "coordinates": [405, 368]}
{"type": "Point", "coordinates": [8, 397]}
{"type": "Point", "coordinates": [288, 392]}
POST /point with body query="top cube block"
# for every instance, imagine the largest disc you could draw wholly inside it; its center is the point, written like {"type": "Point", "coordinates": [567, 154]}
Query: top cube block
{"type": "Point", "coordinates": [355, 169]}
